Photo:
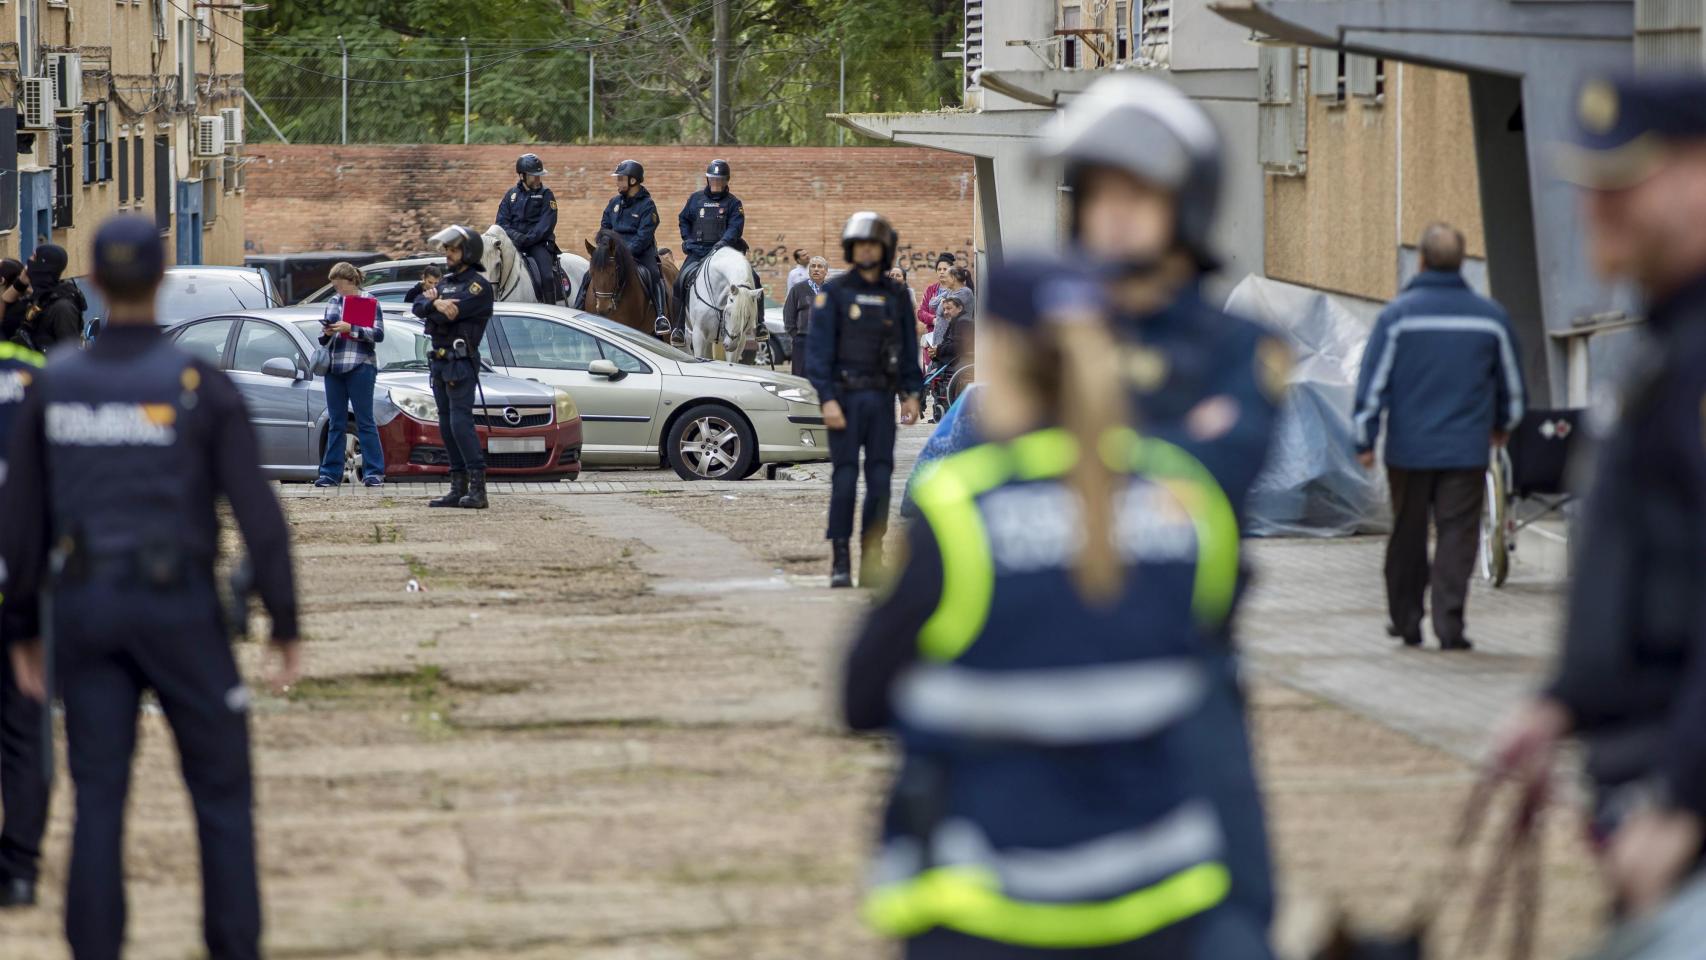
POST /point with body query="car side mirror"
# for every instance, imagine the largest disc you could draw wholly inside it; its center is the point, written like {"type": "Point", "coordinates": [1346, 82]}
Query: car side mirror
{"type": "Point", "coordinates": [282, 368]}
{"type": "Point", "coordinates": [606, 369]}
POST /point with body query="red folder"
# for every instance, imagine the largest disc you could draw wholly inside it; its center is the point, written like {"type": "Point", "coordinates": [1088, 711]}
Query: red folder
{"type": "Point", "coordinates": [360, 312]}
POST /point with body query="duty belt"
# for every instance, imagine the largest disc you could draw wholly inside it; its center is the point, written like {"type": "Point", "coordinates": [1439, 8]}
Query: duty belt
{"type": "Point", "coordinates": [864, 380]}
{"type": "Point", "coordinates": [161, 566]}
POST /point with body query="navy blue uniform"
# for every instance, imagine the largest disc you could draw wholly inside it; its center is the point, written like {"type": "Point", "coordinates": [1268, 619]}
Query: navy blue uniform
{"type": "Point", "coordinates": [23, 774]}
{"type": "Point", "coordinates": [1047, 800]}
{"type": "Point", "coordinates": [530, 219]}
{"type": "Point", "coordinates": [1211, 382]}
{"type": "Point", "coordinates": [117, 460]}
{"type": "Point", "coordinates": [1633, 670]}
{"type": "Point", "coordinates": [709, 219]}
{"type": "Point", "coordinates": [456, 371]}
{"type": "Point", "coordinates": [635, 219]}
{"type": "Point", "coordinates": [863, 351]}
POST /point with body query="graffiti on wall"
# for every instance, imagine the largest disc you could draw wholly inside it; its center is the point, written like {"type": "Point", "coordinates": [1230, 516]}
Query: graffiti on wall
{"type": "Point", "coordinates": [909, 257]}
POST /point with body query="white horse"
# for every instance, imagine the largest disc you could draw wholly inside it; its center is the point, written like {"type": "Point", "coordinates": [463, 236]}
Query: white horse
{"type": "Point", "coordinates": [723, 305]}
{"type": "Point", "coordinates": [508, 273]}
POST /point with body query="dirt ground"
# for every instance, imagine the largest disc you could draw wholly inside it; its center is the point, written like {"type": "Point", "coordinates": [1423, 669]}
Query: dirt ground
{"type": "Point", "coordinates": [603, 729]}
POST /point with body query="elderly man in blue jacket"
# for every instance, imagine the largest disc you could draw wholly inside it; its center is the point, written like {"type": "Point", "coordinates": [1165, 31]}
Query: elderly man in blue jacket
{"type": "Point", "coordinates": [1442, 364]}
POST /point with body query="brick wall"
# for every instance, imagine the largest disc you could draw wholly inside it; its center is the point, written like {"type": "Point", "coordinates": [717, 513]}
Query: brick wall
{"type": "Point", "coordinates": [391, 198]}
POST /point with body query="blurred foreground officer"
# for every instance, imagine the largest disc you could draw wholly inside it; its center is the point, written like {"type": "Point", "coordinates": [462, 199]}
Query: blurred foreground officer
{"type": "Point", "coordinates": [117, 459]}
{"type": "Point", "coordinates": [1631, 682]}
{"type": "Point", "coordinates": [1144, 163]}
{"type": "Point", "coordinates": [1039, 658]}
{"type": "Point", "coordinates": [456, 311]}
{"type": "Point", "coordinates": [23, 771]}
{"type": "Point", "coordinates": [863, 351]}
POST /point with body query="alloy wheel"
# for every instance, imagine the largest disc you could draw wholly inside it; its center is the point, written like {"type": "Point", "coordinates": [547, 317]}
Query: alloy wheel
{"type": "Point", "coordinates": [711, 447]}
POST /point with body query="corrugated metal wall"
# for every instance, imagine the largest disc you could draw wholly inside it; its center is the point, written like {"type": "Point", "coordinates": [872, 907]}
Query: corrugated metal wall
{"type": "Point", "coordinates": [1669, 35]}
{"type": "Point", "coordinates": [974, 39]}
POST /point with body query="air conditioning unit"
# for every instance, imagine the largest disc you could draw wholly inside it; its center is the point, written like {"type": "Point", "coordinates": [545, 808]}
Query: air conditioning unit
{"type": "Point", "coordinates": [233, 118]}
{"type": "Point", "coordinates": [209, 136]}
{"type": "Point", "coordinates": [37, 103]}
{"type": "Point", "coordinates": [66, 72]}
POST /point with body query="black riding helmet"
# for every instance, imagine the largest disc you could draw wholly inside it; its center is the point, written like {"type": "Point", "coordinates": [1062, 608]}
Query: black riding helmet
{"type": "Point", "coordinates": [529, 165]}
{"type": "Point", "coordinates": [1148, 129]}
{"type": "Point", "coordinates": [630, 168]}
{"type": "Point", "coordinates": [717, 168]}
{"type": "Point", "coordinates": [866, 225]}
{"type": "Point", "coordinates": [473, 248]}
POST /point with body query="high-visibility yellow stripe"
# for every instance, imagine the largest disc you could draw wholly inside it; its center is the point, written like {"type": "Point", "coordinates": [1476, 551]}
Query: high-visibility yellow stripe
{"type": "Point", "coordinates": [969, 900]}
{"type": "Point", "coordinates": [968, 569]}
{"type": "Point", "coordinates": [13, 351]}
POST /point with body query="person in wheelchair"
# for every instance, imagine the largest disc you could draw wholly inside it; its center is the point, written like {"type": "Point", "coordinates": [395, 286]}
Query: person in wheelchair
{"type": "Point", "coordinates": [951, 345]}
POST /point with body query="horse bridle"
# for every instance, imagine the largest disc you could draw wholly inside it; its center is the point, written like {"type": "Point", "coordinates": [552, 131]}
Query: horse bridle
{"type": "Point", "coordinates": [612, 297]}
{"type": "Point", "coordinates": [722, 326]}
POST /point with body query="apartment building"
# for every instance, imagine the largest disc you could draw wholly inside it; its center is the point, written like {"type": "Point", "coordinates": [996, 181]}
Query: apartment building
{"type": "Point", "coordinates": [122, 106]}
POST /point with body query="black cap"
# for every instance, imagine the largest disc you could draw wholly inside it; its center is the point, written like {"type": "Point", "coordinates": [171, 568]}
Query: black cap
{"type": "Point", "coordinates": [128, 255]}
{"type": "Point", "coordinates": [1030, 292]}
{"type": "Point", "coordinates": [1623, 124]}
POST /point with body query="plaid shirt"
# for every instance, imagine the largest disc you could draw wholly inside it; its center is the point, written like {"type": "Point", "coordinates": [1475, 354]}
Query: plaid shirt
{"type": "Point", "coordinates": [357, 348]}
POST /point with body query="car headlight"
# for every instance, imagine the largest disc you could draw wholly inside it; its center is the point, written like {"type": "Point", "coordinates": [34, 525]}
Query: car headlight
{"type": "Point", "coordinates": [417, 405]}
{"type": "Point", "coordinates": [792, 394]}
{"type": "Point", "coordinates": [566, 409]}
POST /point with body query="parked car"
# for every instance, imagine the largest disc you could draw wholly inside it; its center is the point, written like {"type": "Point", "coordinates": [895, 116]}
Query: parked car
{"type": "Point", "coordinates": [645, 403]}
{"type": "Point", "coordinates": [192, 291]}
{"type": "Point", "coordinates": [528, 428]}
{"type": "Point", "coordinates": [778, 348]}
{"type": "Point", "coordinates": [298, 273]}
{"type": "Point", "coordinates": [389, 292]}
{"type": "Point", "coordinates": [383, 271]}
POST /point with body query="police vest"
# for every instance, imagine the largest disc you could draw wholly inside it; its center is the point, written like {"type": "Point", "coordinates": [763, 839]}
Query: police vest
{"type": "Point", "coordinates": [121, 461]}
{"type": "Point", "coordinates": [17, 371]}
{"type": "Point", "coordinates": [711, 218]}
{"type": "Point", "coordinates": [868, 332]}
{"type": "Point", "coordinates": [1044, 799]}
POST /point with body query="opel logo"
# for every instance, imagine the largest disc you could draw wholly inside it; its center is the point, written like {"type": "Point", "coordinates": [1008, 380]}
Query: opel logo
{"type": "Point", "coordinates": [512, 416]}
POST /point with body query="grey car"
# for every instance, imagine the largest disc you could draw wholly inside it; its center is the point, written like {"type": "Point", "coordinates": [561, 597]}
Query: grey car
{"type": "Point", "coordinates": [529, 427]}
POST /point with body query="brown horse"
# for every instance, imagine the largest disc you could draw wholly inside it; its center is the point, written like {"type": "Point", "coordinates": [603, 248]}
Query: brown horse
{"type": "Point", "coordinates": [614, 288]}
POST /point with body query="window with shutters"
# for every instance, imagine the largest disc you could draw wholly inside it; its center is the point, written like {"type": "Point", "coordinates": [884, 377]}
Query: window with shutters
{"type": "Point", "coordinates": [123, 166]}
{"type": "Point", "coordinates": [1155, 30]}
{"type": "Point", "coordinates": [97, 145]}
{"type": "Point", "coordinates": [1366, 78]}
{"type": "Point", "coordinates": [973, 39]}
{"type": "Point", "coordinates": [1281, 109]}
{"type": "Point", "coordinates": [139, 182]}
{"type": "Point", "coordinates": [64, 169]}
{"type": "Point", "coordinates": [1327, 79]}
{"type": "Point", "coordinates": [1071, 18]}
{"type": "Point", "coordinates": [211, 182]}
{"type": "Point", "coordinates": [1122, 32]}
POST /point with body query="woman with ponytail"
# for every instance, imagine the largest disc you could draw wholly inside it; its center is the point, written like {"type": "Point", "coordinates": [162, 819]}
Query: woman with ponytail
{"type": "Point", "coordinates": [1041, 656]}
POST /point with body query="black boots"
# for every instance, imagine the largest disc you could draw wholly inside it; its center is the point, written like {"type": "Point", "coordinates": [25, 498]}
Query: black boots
{"type": "Point", "coordinates": [476, 498]}
{"type": "Point", "coordinates": [871, 572]}
{"type": "Point", "coordinates": [458, 490]}
{"type": "Point", "coordinates": [841, 567]}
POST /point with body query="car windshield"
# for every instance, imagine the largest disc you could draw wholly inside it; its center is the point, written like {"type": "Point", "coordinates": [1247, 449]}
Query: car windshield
{"type": "Point", "coordinates": [638, 339]}
{"type": "Point", "coordinates": [405, 346]}
{"type": "Point", "coordinates": [187, 295]}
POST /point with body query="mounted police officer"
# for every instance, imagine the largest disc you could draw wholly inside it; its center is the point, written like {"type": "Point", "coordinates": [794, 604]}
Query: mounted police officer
{"type": "Point", "coordinates": [456, 311]}
{"type": "Point", "coordinates": [119, 458]}
{"type": "Point", "coordinates": [1631, 679]}
{"type": "Point", "coordinates": [1144, 165]}
{"type": "Point", "coordinates": [23, 776]}
{"type": "Point", "coordinates": [711, 218]}
{"type": "Point", "coordinates": [633, 215]}
{"type": "Point", "coordinates": [863, 353]}
{"type": "Point", "coordinates": [1041, 659]}
{"type": "Point", "coordinates": [528, 213]}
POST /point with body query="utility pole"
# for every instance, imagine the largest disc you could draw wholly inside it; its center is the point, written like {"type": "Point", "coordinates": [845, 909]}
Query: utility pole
{"type": "Point", "coordinates": [720, 85]}
{"type": "Point", "coordinates": [467, 72]}
{"type": "Point", "coordinates": [841, 131]}
{"type": "Point", "coordinates": [343, 120]}
{"type": "Point", "coordinates": [591, 85]}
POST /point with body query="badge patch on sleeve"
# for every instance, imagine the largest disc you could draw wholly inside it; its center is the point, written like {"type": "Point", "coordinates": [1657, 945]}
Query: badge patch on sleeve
{"type": "Point", "coordinates": [553, 204]}
{"type": "Point", "coordinates": [474, 288]}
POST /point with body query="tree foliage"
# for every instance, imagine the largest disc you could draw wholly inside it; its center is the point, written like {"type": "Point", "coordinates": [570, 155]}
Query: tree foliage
{"type": "Point", "coordinates": [656, 67]}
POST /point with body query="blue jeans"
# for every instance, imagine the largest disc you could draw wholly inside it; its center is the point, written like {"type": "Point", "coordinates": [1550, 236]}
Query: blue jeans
{"type": "Point", "coordinates": [344, 390]}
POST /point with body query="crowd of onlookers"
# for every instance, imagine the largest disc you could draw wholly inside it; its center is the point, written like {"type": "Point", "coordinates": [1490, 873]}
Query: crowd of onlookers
{"type": "Point", "coordinates": [946, 313]}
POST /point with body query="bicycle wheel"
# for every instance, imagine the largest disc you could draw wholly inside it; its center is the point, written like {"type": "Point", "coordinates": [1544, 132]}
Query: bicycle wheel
{"type": "Point", "coordinates": [1495, 557]}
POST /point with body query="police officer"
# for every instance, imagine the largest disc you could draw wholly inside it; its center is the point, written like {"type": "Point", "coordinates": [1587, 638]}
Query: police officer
{"type": "Point", "coordinates": [1046, 803]}
{"type": "Point", "coordinates": [118, 459]}
{"type": "Point", "coordinates": [710, 218]}
{"type": "Point", "coordinates": [1631, 679]}
{"type": "Point", "coordinates": [456, 311]}
{"type": "Point", "coordinates": [23, 776]}
{"type": "Point", "coordinates": [862, 352]}
{"type": "Point", "coordinates": [1143, 163]}
{"type": "Point", "coordinates": [633, 215]}
{"type": "Point", "coordinates": [528, 213]}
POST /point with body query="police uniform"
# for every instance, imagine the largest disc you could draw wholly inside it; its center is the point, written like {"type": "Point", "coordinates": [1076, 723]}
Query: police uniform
{"type": "Point", "coordinates": [455, 369]}
{"type": "Point", "coordinates": [862, 352]}
{"type": "Point", "coordinates": [1632, 674]}
{"type": "Point", "coordinates": [530, 218]}
{"type": "Point", "coordinates": [1046, 800]}
{"type": "Point", "coordinates": [23, 773]}
{"type": "Point", "coordinates": [119, 456]}
{"type": "Point", "coordinates": [707, 220]}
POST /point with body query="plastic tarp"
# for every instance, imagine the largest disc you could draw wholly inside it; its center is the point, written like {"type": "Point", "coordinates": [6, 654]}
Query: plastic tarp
{"type": "Point", "coordinates": [1312, 484]}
